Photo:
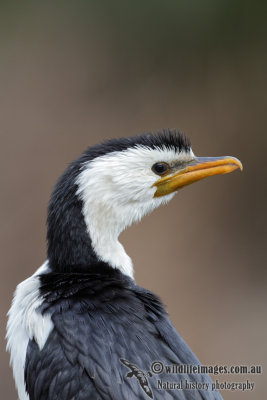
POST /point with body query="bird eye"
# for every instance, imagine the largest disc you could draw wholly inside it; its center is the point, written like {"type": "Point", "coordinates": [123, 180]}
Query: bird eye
{"type": "Point", "coordinates": [160, 168]}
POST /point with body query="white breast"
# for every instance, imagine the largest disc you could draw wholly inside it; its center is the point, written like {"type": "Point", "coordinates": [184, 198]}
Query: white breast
{"type": "Point", "coordinates": [25, 323]}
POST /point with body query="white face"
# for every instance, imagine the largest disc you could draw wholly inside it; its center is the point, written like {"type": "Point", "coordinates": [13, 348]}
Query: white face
{"type": "Point", "coordinates": [122, 181]}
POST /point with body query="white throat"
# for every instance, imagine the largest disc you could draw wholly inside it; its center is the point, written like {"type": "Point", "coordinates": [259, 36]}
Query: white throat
{"type": "Point", "coordinates": [104, 230]}
{"type": "Point", "coordinates": [104, 219]}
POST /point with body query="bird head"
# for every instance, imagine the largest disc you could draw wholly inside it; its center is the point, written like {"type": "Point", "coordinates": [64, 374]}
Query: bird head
{"type": "Point", "coordinates": [118, 182]}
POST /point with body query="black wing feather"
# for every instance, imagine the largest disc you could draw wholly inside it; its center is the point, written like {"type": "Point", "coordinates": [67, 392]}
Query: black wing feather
{"type": "Point", "coordinates": [96, 324]}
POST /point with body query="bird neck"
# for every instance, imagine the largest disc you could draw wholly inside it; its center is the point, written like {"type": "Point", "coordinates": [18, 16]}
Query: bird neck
{"type": "Point", "coordinates": [111, 251]}
{"type": "Point", "coordinates": [83, 236]}
{"type": "Point", "coordinates": [104, 226]}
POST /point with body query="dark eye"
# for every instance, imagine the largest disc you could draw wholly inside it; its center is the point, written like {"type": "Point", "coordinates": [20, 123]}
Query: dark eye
{"type": "Point", "coordinates": [160, 168]}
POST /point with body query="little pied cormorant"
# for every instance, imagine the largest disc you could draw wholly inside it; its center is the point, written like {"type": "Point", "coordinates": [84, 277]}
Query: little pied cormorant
{"type": "Point", "coordinates": [80, 317]}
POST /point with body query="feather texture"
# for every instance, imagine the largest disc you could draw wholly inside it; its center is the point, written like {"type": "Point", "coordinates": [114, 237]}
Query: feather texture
{"type": "Point", "coordinates": [99, 318]}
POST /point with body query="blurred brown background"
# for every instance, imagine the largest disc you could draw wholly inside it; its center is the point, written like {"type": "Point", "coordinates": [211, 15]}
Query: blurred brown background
{"type": "Point", "coordinates": [75, 73]}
